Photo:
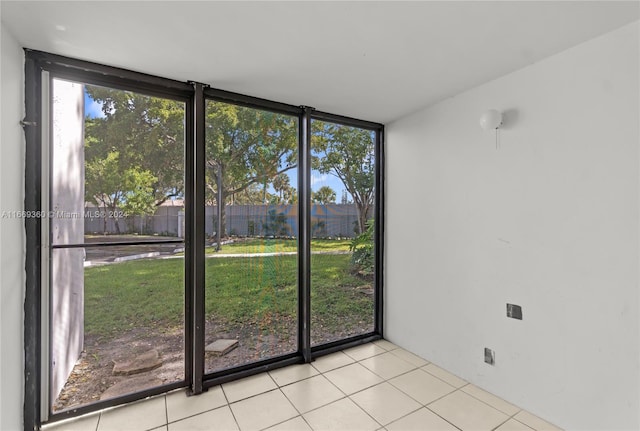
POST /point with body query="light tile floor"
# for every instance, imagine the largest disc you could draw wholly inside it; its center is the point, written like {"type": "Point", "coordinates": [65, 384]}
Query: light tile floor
{"type": "Point", "coordinates": [376, 386]}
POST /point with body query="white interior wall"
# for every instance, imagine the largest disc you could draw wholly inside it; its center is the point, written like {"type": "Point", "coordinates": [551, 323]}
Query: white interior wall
{"type": "Point", "coordinates": [12, 237]}
{"type": "Point", "coordinates": [548, 221]}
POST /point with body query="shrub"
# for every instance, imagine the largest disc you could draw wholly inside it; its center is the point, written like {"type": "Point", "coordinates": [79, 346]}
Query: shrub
{"type": "Point", "coordinates": [363, 258]}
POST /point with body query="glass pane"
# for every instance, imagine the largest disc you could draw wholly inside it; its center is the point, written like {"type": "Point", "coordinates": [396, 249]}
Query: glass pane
{"type": "Point", "coordinates": [251, 225]}
{"type": "Point", "coordinates": [122, 308]}
{"type": "Point", "coordinates": [117, 175]}
{"type": "Point", "coordinates": [117, 166]}
{"type": "Point", "coordinates": [342, 245]}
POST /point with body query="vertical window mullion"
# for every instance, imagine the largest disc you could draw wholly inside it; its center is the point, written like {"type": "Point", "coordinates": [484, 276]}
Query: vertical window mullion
{"type": "Point", "coordinates": [304, 237]}
{"type": "Point", "coordinates": [190, 207]}
{"type": "Point", "coordinates": [198, 241]}
{"type": "Point", "coordinates": [379, 232]}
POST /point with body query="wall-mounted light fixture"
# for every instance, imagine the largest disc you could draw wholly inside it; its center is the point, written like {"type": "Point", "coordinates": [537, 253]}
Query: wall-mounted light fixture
{"type": "Point", "coordinates": [491, 120]}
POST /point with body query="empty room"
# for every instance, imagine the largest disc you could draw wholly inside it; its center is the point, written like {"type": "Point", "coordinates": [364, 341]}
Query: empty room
{"type": "Point", "coordinates": [320, 215]}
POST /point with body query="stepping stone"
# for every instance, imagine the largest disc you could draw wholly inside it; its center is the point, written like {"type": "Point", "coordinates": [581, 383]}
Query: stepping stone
{"type": "Point", "coordinates": [130, 386]}
{"type": "Point", "coordinates": [146, 361]}
{"type": "Point", "coordinates": [222, 346]}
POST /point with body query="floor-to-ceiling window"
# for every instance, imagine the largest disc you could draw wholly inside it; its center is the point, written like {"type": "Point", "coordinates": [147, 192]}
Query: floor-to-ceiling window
{"type": "Point", "coordinates": [342, 200]}
{"type": "Point", "coordinates": [113, 203]}
{"type": "Point", "coordinates": [251, 201]}
{"type": "Point", "coordinates": [188, 236]}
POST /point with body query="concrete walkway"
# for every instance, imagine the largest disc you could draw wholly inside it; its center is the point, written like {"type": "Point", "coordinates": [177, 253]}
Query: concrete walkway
{"type": "Point", "coordinates": [282, 253]}
{"type": "Point", "coordinates": [208, 256]}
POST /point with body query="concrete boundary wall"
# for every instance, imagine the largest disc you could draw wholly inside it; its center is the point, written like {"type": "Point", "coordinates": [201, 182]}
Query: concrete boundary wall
{"type": "Point", "coordinates": [331, 220]}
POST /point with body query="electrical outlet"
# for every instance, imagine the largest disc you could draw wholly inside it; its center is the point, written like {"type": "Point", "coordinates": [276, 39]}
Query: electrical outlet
{"type": "Point", "coordinates": [514, 311]}
{"type": "Point", "coordinates": [489, 356]}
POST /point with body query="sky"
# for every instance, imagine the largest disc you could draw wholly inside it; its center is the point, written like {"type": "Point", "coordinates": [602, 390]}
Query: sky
{"type": "Point", "coordinates": [93, 109]}
{"type": "Point", "coordinates": [318, 180]}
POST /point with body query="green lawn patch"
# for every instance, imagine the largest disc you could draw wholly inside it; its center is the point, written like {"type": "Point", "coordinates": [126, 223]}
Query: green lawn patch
{"type": "Point", "coordinates": [239, 290]}
{"type": "Point", "coordinates": [128, 295]}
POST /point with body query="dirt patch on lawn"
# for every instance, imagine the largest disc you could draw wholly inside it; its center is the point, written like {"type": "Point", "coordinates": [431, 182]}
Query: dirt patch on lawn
{"type": "Point", "coordinates": [93, 373]}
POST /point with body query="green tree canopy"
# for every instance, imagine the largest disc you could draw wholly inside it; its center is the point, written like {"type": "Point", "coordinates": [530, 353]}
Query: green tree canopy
{"type": "Point", "coordinates": [246, 147]}
{"type": "Point", "coordinates": [109, 186]}
{"type": "Point", "coordinates": [147, 133]}
{"type": "Point", "coordinates": [349, 154]}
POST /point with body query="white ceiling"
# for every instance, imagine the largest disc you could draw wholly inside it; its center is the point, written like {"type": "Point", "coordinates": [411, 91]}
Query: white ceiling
{"type": "Point", "coordinates": [371, 60]}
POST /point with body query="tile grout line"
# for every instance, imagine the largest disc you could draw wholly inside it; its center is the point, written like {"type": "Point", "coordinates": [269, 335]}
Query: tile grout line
{"type": "Point", "coordinates": [226, 404]}
{"type": "Point", "coordinates": [307, 422]}
{"type": "Point", "coordinates": [393, 351]}
{"type": "Point", "coordinates": [319, 407]}
{"type": "Point", "coordinates": [443, 418]}
{"type": "Point", "coordinates": [365, 412]}
{"type": "Point", "coordinates": [500, 424]}
{"type": "Point", "coordinates": [250, 396]}
{"type": "Point", "coordinates": [388, 350]}
{"type": "Point", "coordinates": [416, 367]}
{"type": "Point", "coordinates": [483, 401]}
{"type": "Point", "coordinates": [196, 414]}
{"type": "Point", "coordinates": [401, 374]}
{"type": "Point", "coordinates": [349, 396]}
{"type": "Point", "coordinates": [404, 416]}
{"type": "Point", "coordinates": [387, 379]}
{"type": "Point", "coordinates": [460, 390]}
{"type": "Point", "coordinates": [359, 390]}
{"type": "Point", "coordinates": [301, 414]}
{"type": "Point", "coordinates": [422, 405]}
{"type": "Point", "coordinates": [346, 396]}
{"type": "Point", "coordinates": [166, 413]}
{"type": "Point", "coordinates": [512, 416]}
{"type": "Point", "coordinates": [301, 380]}
{"type": "Point", "coordinates": [229, 407]}
{"type": "Point", "coordinates": [285, 397]}
{"type": "Point", "coordinates": [368, 357]}
{"type": "Point", "coordinates": [520, 422]}
{"type": "Point", "coordinates": [440, 378]}
{"type": "Point", "coordinates": [418, 401]}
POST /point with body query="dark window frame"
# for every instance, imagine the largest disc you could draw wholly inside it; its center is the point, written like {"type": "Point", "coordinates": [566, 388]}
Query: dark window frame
{"type": "Point", "coordinates": [194, 95]}
{"type": "Point", "coordinates": [93, 74]}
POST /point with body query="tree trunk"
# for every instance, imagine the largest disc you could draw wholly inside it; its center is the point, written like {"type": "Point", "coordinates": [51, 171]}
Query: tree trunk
{"type": "Point", "coordinates": [221, 216]}
{"type": "Point", "coordinates": [115, 220]}
{"type": "Point", "coordinates": [362, 217]}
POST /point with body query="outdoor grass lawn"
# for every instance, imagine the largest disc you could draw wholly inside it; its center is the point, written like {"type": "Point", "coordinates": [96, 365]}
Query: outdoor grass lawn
{"type": "Point", "coordinates": [239, 290]}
